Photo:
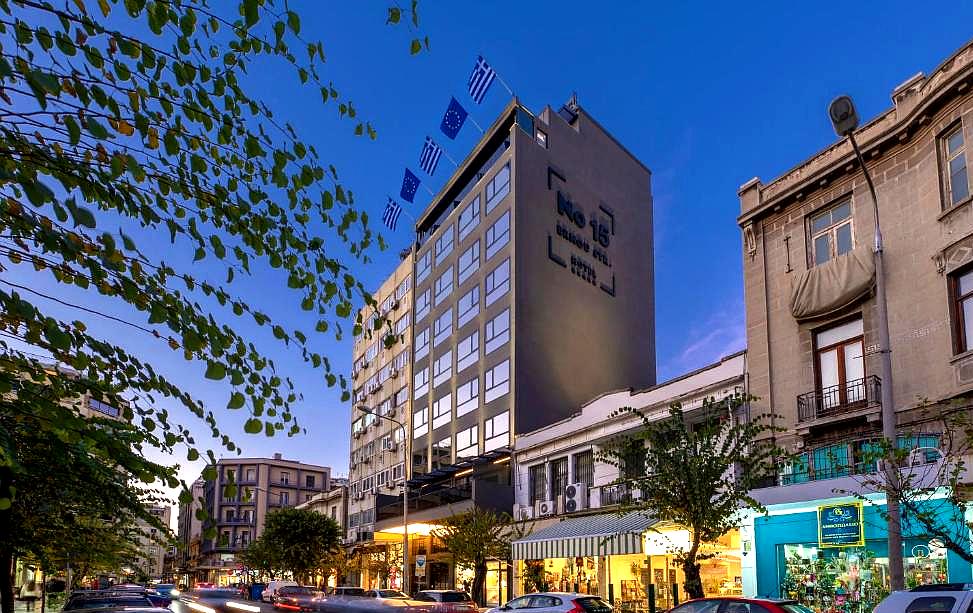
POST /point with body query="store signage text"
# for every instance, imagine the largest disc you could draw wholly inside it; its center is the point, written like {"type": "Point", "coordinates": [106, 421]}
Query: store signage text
{"type": "Point", "coordinates": [590, 235]}
{"type": "Point", "coordinates": [841, 525]}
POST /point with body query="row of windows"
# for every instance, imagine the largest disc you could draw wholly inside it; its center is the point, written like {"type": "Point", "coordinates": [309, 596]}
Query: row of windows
{"type": "Point", "coordinates": [496, 334]}
{"type": "Point", "coordinates": [544, 486]}
{"type": "Point", "coordinates": [496, 434]}
{"type": "Point", "coordinates": [469, 262]}
{"type": "Point", "coordinates": [386, 476]}
{"type": "Point", "coordinates": [496, 384]}
{"type": "Point", "coordinates": [469, 217]}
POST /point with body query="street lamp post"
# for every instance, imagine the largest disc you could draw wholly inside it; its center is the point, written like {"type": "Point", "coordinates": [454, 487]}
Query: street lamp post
{"type": "Point", "coordinates": [405, 492]}
{"type": "Point", "coordinates": [845, 121]}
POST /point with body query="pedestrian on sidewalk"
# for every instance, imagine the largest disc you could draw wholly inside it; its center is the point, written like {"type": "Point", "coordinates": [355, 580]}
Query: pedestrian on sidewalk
{"type": "Point", "coordinates": [29, 594]}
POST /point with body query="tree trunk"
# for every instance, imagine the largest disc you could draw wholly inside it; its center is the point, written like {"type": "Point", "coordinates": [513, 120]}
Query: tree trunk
{"type": "Point", "coordinates": [690, 568]}
{"type": "Point", "coordinates": [479, 581]}
{"type": "Point", "coordinates": [6, 580]}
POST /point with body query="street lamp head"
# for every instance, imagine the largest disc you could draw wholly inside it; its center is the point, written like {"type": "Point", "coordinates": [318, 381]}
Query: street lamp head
{"type": "Point", "coordinates": [365, 409]}
{"type": "Point", "coordinates": [844, 117]}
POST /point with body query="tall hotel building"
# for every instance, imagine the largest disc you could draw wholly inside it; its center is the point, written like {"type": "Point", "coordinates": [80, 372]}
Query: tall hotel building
{"type": "Point", "coordinates": [532, 292]}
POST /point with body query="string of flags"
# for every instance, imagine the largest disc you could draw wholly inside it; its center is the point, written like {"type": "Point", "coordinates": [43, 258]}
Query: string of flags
{"type": "Point", "coordinates": [481, 78]}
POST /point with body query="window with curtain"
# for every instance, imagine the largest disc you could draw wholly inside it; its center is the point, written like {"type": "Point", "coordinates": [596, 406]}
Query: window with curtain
{"type": "Point", "coordinates": [537, 476]}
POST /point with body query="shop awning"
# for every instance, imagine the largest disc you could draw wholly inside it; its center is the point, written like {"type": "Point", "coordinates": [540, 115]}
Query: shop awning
{"type": "Point", "coordinates": [594, 535]}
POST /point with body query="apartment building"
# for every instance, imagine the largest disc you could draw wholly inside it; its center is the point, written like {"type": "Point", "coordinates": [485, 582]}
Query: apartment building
{"type": "Point", "coordinates": [811, 320]}
{"type": "Point", "coordinates": [263, 485]}
{"type": "Point", "coordinates": [189, 533]}
{"type": "Point", "coordinates": [381, 374]}
{"type": "Point", "coordinates": [152, 546]}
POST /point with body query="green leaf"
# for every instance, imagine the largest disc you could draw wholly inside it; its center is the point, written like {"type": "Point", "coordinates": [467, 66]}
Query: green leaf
{"type": "Point", "coordinates": [294, 22]}
{"type": "Point", "coordinates": [415, 47]}
{"type": "Point", "coordinates": [192, 455]}
{"type": "Point", "coordinates": [253, 426]}
{"type": "Point", "coordinates": [395, 15]}
{"type": "Point", "coordinates": [96, 129]}
{"type": "Point", "coordinates": [250, 14]}
{"type": "Point", "coordinates": [215, 371]}
{"type": "Point", "coordinates": [82, 217]}
{"type": "Point", "coordinates": [74, 130]}
{"type": "Point", "coordinates": [236, 401]}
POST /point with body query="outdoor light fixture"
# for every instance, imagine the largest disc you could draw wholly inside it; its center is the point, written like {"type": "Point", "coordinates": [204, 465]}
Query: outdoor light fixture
{"type": "Point", "coordinates": [844, 117]}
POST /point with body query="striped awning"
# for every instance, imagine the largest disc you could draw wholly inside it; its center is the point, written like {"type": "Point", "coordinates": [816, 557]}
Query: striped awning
{"type": "Point", "coordinates": [594, 535]}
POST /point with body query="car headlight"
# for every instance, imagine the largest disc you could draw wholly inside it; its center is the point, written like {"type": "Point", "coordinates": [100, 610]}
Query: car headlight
{"type": "Point", "coordinates": [175, 592]}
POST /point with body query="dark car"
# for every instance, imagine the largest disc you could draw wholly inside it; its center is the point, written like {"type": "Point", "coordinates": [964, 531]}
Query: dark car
{"type": "Point", "coordinates": [740, 605]}
{"type": "Point", "coordinates": [105, 600]}
{"type": "Point", "coordinates": [448, 601]}
{"type": "Point", "coordinates": [165, 589]}
{"type": "Point", "coordinates": [296, 598]}
{"type": "Point", "coordinates": [205, 599]}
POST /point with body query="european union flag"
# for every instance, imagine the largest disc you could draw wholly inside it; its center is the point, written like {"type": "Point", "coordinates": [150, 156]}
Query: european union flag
{"type": "Point", "coordinates": [453, 119]}
{"type": "Point", "coordinates": [410, 183]}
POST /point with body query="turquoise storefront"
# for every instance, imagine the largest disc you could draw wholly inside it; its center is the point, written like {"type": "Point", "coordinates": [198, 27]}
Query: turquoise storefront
{"type": "Point", "coordinates": [789, 562]}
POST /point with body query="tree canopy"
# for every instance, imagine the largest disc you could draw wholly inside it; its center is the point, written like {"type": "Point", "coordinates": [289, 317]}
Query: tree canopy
{"type": "Point", "coordinates": [476, 536]}
{"type": "Point", "coordinates": [695, 470]}
{"type": "Point", "coordinates": [295, 540]}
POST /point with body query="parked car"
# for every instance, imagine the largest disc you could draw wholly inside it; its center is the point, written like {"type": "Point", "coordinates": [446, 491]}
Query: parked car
{"type": "Point", "coordinates": [743, 605]}
{"type": "Point", "coordinates": [296, 597]}
{"type": "Point", "coordinates": [346, 591]}
{"type": "Point", "coordinates": [941, 598]}
{"type": "Point", "coordinates": [556, 602]}
{"type": "Point", "coordinates": [201, 599]}
{"type": "Point", "coordinates": [383, 595]}
{"type": "Point", "coordinates": [165, 589]}
{"type": "Point", "coordinates": [268, 594]}
{"type": "Point", "coordinates": [104, 600]}
{"type": "Point", "coordinates": [448, 601]}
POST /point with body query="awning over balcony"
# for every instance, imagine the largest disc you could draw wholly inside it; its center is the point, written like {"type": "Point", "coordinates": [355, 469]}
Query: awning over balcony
{"type": "Point", "coordinates": [594, 535]}
{"type": "Point", "coordinates": [827, 288]}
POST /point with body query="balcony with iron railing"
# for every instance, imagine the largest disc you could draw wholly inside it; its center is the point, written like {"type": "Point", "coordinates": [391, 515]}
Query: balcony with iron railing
{"type": "Point", "coordinates": [850, 399]}
{"type": "Point", "coordinates": [237, 520]}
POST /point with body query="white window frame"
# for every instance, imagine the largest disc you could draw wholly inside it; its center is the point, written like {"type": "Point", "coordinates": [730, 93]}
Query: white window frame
{"type": "Point", "coordinates": [442, 411]}
{"type": "Point", "coordinates": [401, 360]}
{"type": "Point", "coordinates": [494, 336]}
{"type": "Point", "coordinates": [402, 395]}
{"type": "Point", "coordinates": [470, 344]}
{"type": "Point", "coordinates": [496, 381]}
{"type": "Point", "coordinates": [423, 266]}
{"type": "Point", "coordinates": [471, 438]}
{"type": "Point", "coordinates": [468, 306]}
{"type": "Point", "coordinates": [493, 288]}
{"type": "Point", "coordinates": [442, 368]}
{"type": "Point", "coordinates": [831, 231]}
{"type": "Point", "coordinates": [498, 187]}
{"type": "Point", "coordinates": [444, 245]}
{"type": "Point", "coordinates": [423, 305]}
{"type": "Point", "coordinates": [442, 331]}
{"type": "Point", "coordinates": [422, 343]}
{"type": "Point", "coordinates": [421, 382]}
{"type": "Point", "coordinates": [403, 287]}
{"type": "Point", "coordinates": [420, 422]}
{"type": "Point", "coordinates": [402, 324]}
{"type": "Point", "coordinates": [372, 352]}
{"type": "Point", "coordinates": [468, 263]}
{"type": "Point", "coordinates": [494, 241]}
{"type": "Point", "coordinates": [469, 218]}
{"type": "Point", "coordinates": [443, 286]}
{"type": "Point", "coordinates": [496, 431]}
{"type": "Point", "coordinates": [948, 158]}
{"type": "Point", "coordinates": [468, 396]}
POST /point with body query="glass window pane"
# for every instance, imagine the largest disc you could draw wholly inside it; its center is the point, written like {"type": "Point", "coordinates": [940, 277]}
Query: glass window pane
{"type": "Point", "coordinates": [959, 184]}
{"type": "Point", "coordinates": [821, 222]}
{"type": "Point", "coordinates": [966, 283]}
{"type": "Point", "coordinates": [843, 236]}
{"type": "Point", "coordinates": [822, 249]}
{"type": "Point", "coordinates": [842, 211]}
{"type": "Point", "coordinates": [954, 141]}
{"type": "Point", "coordinates": [967, 323]}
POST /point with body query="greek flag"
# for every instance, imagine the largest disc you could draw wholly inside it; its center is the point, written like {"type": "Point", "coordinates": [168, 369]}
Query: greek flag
{"type": "Point", "coordinates": [481, 79]}
{"type": "Point", "coordinates": [391, 215]}
{"type": "Point", "coordinates": [429, 158]}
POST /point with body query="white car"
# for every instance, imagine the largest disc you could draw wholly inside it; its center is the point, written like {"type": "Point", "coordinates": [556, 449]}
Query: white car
{"type": "Point", "coordinates": [383, 595]}
{"type": "Point", "coordinates": [268, 594]}
{"type": "Point", "coordinates": [556, 602]}
{"type": "Point", "coordinates": [945, 598]}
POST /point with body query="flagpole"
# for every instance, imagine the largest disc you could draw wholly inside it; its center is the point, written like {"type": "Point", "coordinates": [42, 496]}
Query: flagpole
{"type": "Point", "coordinates": [426, 187]}
{"type": "Point", "coordinates": [504, 83]}
{"type": "Point", "coordinates": [478, 127]}
{"type": "Point", "coordinates": [447, 156]}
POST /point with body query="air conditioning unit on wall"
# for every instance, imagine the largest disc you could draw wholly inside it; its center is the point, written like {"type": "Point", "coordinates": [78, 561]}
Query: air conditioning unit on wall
{"type": "Point", "coordinates": [525, 512]}
{"type": "Point", "coordinates": [543, 508]}
{"type": "Point", "coordinates": [575, 497]}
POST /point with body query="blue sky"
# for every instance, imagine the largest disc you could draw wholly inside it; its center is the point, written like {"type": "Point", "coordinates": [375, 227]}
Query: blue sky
{"type": "Point", "coordinates": [706, 96]}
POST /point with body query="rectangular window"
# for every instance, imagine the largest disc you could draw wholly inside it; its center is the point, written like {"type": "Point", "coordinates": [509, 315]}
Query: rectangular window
{"type": "Point", "coordinates": [420, 422]}
{"type": "Point", "coordinates": [442, 410]}
{"type": "Point", "coordinates": [497, 282]}
{"type": "Point", "coordinates": [961, 288]}
{"type": "Point", "coordinates": [372, 352]}
{"type": "Point", "coordinates": [469, 262]}
{"type": "Point", "coordinates": [387, 303]}
{"type": "Point", "coordinates": [402, 324]}
{"type": "Point", "coordinates": [956, 179]}
{"type": "Point", "coordinates": [285, 478]}
{"type": "Point", "coordinates": [401, 360]}
{"type": "Point", "coordinates": [401, 396]}
{"type": "Point", "coordinates": [497, 332]}
{"type": "Point", "coordinates": [444, 245]}
{"type": "Point", "coordinates": [467, 351]}
{"type": "Point", "coordinates": [285, 499]}
{"type": "Point", "coordinates": [422, 344]}
{"type": "Point", "coordinates": [423, 266]}
{"type": "Point", "coordinates": [103, 407]}
{"type": "Point", "coordinates": [467, 396]}
{"type": "Point", "coordinates": [496, 382]}
{"type": "Point", "coordinates": [442, 328]}
{"type": "Point", "coordinates": [832, 233]}
{"type": "Point", "coordinates": [385, 408]}
{"type": "Point", "coordinates": [496, 431]}
{"type": "Point", "coordinates": [441, 454]}
{"type": "Point", "coordinates": [442, 368]}
{"type": "Point", "coordinates": [468, 306]}
{"type": "Point", "coordinates": [559, 476]}
{"type": "Point", "coordinates": [386, 373]}
{"type": "Point", "coordinates": [541, 137]}
{"type": "Point", "coordinates": [498, 187]}
{"type": "Point", "coordinates": [498, 235]}
{"type": "Point", "coordinates": [840, 365]}
{"type": "Point", "coordinates": [537, 478]}
{"type": "Point", "coordinates": [467, 443]}
{"type": "Point", "coordinates": [444, 286]}
{"type": "Point", "coordinates": [421, 383]}
{"type": "Point", "coordinates": [469, 218]}
{"type": "Point", "coordinates": [584, 468]}
{"type": "Point", "coordinates": [422, 305]}
{"type": "Point", "coordinates": [309, 481]}
{"type": "Point", "coordinates": [251, 474]}
{"type": "Point", "coordinates": [403, 288]}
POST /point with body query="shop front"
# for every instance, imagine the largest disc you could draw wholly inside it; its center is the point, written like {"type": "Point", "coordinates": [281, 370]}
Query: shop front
{"type": "Point", "coordinates": [622, 558]}
{"type": "Point", "coordinates": [834, 553]}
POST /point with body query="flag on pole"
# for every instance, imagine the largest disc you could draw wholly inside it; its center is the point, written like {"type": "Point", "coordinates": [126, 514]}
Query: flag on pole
{"type": "Point", "coordinates": [391, 215]}
{"type": "Point", "coordinates": [480, 79]}
{"type": "Point", "coordinates": [410, 183]}
{"type": "Point", "coordinates": [453, 119]}
{"type": "Point", "coordinates": [429, 158]}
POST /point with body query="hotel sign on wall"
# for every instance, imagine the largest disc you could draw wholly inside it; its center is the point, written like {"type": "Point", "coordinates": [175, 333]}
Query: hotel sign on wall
{"type": "Point", "coordinates": [581, 241]}
{"type": "Point", "coordinates": [841, 525]}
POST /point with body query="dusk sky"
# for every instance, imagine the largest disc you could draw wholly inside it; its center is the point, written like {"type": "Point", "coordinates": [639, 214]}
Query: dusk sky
{"type": "Point", "coordinates": [707, 97]}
